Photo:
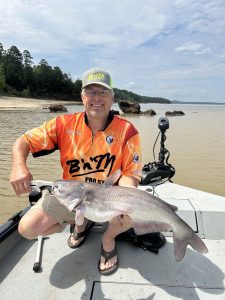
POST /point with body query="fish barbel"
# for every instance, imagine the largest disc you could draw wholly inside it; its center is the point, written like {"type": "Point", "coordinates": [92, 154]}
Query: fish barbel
{"type": "Point", "coordinates": [102, 202]}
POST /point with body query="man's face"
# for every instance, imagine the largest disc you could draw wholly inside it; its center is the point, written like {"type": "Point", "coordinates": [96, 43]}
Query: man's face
{"type": "Point", "coordinates": [97, 100]}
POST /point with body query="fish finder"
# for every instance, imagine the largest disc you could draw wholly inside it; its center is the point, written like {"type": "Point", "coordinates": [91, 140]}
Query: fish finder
{"type": "Point", "coordinates": [154, 172]}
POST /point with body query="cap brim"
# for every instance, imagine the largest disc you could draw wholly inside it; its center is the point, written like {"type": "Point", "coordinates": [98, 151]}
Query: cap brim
{"type": "Point", "coordinates": [98, 83]}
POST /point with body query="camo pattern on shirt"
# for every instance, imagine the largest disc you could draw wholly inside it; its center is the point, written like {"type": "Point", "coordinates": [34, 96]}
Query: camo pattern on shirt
{"type": "Point", "coordinates": [86, 157]}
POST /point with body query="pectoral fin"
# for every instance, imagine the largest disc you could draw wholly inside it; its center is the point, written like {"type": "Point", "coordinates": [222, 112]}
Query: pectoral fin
{"type": "Point", "coordinates": [113, 178]}
{"type": "Point", "coordinates": [79, 217]}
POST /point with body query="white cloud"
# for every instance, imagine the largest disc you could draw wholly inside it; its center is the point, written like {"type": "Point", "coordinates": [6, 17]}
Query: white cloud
{"type": "Point", "coordinates": [141, 42]}
{"type": "Point", "coordinates": [193, 47]}
{"type": "Point", "coordinates": [132, 85]}
{"type": "Point", "coordinates": [79, 23]}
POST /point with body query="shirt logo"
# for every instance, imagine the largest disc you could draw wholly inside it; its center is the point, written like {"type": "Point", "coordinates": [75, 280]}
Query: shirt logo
{"type": "Point", "coordinates": [95, 164]}
{"type": "Point", "coordinates": [136, 158]}
{"type": "Point", "coordinates": [109, 139]}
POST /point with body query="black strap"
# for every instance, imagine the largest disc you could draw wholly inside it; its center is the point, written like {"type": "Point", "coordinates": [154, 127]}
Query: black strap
{"type": "Point", "coordinates": [149, 241]}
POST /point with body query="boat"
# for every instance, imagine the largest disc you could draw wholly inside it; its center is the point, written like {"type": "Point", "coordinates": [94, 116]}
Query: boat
{"type": "Point", "coordinates": [47, 268]}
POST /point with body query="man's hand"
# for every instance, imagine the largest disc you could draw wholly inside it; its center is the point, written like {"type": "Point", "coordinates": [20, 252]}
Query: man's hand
{"type": "Point", "coordinates": [20, 179]}
{"type": "Point", "coordinates": [20, 176]}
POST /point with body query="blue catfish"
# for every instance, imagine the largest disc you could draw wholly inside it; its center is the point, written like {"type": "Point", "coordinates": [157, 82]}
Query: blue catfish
{"type": "Point", "coordinates": [102, 202]}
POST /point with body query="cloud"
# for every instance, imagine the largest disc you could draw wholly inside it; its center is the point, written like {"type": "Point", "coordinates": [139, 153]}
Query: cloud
{"type": "Point", "coordinates": [132, 86]}
{"type": "Point", "coordinates": [193, 47]}
{"type": "Point", "coordinates": [79, 23]}
{"type": "Point", "coordinates": [142, 43]}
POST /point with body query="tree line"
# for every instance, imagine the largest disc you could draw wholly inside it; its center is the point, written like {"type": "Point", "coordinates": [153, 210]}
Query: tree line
{"type": "Point", "coordinates": [20, 77]}
{"type": "Point", "coordinates": [130, 96]}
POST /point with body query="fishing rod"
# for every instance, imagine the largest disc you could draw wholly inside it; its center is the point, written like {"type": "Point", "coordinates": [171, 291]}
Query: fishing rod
{"type": "Point", "coordinates": [156, 171]}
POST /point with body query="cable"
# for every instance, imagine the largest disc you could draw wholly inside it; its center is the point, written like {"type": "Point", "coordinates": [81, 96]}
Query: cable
{"type": "Point", "coordinates": [155, 144]}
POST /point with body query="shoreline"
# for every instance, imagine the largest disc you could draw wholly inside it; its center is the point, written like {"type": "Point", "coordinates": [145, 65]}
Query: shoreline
{"type": "Point", "coordinates": [17, 103]}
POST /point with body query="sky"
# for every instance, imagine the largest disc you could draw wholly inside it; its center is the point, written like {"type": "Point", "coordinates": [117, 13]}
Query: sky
{"type": "Point", "coordinates": [162, 48]}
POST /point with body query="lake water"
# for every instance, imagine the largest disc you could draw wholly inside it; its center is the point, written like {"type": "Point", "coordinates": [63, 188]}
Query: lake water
{"type": "Point", "coordinates": [196, 143]}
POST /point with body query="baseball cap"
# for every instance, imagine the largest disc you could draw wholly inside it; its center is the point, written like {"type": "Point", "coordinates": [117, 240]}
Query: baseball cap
{"type": "Point", "coordinates": [97, 76]}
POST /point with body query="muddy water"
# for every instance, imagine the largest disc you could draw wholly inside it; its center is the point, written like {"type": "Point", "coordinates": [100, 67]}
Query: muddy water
{"type": "Point", "coordinates": [196, 143]}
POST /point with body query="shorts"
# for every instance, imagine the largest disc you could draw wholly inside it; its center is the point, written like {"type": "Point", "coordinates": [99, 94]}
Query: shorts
{"type": "Point", "coordinates": [54, 208]}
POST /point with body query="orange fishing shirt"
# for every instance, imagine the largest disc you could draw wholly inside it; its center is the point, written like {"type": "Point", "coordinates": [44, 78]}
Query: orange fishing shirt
{"type": "Point", "coordinates": [88, 157]}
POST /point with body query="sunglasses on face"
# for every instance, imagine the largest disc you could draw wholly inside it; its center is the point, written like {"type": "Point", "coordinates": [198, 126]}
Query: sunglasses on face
{"type": "Point", "coordinates": [92, 93]}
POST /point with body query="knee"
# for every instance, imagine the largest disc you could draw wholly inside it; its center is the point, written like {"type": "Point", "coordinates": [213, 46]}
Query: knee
{"type": "Point", "coordinates": [26, 230]}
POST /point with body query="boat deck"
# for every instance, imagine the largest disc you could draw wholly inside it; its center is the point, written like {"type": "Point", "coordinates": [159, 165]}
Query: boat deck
{"type": "Point", "coordinates": [73, 274]}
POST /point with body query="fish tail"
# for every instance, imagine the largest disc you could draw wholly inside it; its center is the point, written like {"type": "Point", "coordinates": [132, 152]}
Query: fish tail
{"type": "Point", "coordinates": [197, 244]}
{"type": "Point", "coordinates": [180, 245]}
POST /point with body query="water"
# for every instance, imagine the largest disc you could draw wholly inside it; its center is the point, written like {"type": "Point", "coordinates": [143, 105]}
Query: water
{"type": "Point", "coordinates": [196, 143]}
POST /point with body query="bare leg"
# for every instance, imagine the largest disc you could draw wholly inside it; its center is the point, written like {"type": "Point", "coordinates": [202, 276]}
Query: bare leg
{"type": "Point", "coordinates": [37, 222]}
{"type": "Point", "coordinates": [78, 229]}
{"type": "Point", "coordinates": [116, 226]}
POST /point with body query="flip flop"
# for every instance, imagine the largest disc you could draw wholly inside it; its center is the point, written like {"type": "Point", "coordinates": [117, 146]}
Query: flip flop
{"type": "Point", "coordinates": [107, 256]}
{"type": "Point", "coordinates": [77, 236]}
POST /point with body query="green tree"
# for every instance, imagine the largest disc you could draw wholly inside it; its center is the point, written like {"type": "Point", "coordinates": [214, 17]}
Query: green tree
{"type": "Point", "coordinates": [77, 86]}
{"type": "Point", "coordinates": [27, 59]}
{"type": "Point", "coordinates": [2, 78]}
{"type": "Point", "coordinates": [29, 80]}
{"type": "Point", "coordinates": [13, 68]}
{"type": "Point", "coordinates": [43, 78]}
{"type": "Point", "coordinates": [1, 51]}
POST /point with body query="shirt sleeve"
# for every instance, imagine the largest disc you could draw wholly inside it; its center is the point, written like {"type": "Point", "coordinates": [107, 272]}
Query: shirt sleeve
{"type": "Point", "coordinates": [42, 140]}
{"type": "Point", "coordinates": [132, 160]}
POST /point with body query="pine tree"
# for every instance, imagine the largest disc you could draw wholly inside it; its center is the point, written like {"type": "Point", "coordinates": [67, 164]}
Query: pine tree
{"type": "Point", "coordinates": [2, 78]}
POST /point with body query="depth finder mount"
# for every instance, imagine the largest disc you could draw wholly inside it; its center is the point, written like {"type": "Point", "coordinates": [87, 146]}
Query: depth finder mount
{"type": "Point", "coordinates": [157, 171]}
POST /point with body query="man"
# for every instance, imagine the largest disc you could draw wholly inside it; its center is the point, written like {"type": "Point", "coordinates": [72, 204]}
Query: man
{"type": "Point", "coordinates": [92, 146]}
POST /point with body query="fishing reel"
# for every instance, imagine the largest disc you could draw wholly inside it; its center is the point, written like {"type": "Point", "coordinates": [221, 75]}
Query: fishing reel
{"type": "Point", "coordinates": [157, 171]}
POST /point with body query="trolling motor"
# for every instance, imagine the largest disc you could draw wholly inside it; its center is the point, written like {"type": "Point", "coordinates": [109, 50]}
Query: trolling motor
{"type": "Point", "coordinates": [157, 171]}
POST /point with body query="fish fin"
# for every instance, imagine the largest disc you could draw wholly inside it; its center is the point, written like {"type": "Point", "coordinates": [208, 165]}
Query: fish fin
{"type": "Point", "coordinates": [113, 178]}
{"type": "Point", "coordinates": [180, 246]}
{"type": "Point", "coordinates": [70, 204]}
{"type": "Point", "coordinates": [142, 228]}
{"type": "Point", "coordinates": [79, 217]}
{"type": "Point", "coordinates": [197, 244]}
{"type": "Point", "coordinates": [173, 207]}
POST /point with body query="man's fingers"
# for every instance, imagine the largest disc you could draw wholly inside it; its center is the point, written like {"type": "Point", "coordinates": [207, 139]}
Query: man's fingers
{"type": "Point", "coordinates": [120, 221]}
{"type": "Point", "coordinates": [27, 187]}
{"type": "Point", "coordinates": [124, 221]}
{"type": "Point", "coordinates": [15, 188]}
{"type": "Point", "coordinates": [21, 187]}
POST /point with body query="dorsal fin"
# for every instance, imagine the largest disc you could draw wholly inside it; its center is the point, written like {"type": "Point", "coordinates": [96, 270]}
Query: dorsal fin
{"type": "Point", "coordinates": [113, 178]}
{"type": "Point", "coordinates": [173, 207]}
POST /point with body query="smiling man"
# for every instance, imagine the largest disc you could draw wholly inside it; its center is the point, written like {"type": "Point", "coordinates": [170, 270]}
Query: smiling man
{"type": "Point", "coordinates": [92, 144]}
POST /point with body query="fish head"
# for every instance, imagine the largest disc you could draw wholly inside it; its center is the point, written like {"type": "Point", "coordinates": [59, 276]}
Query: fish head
{"type": "Point", "coordinates": [68, 192]}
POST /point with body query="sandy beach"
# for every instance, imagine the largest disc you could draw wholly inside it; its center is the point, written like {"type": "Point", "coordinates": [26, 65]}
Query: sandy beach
{"type": "Point", "coordinates": [17, 103]}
